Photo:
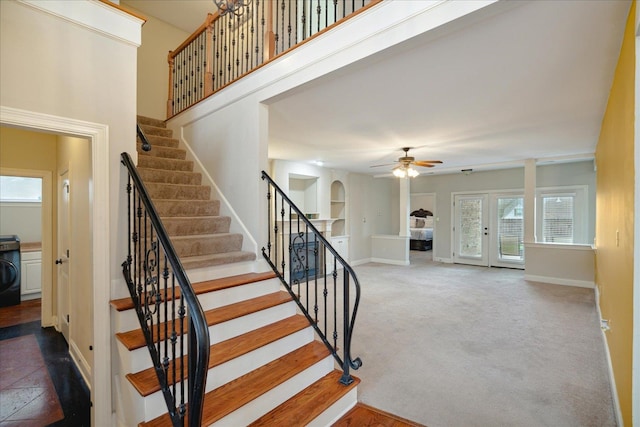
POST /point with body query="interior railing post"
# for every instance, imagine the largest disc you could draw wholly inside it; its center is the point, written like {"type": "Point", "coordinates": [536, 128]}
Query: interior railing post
{"type": "Point", "coordinates": [269, 36]}
{"type": "Point", "coordinates": [171, 61]}
{"type": "Point", "coordinates": [346, 377]}
{"type": "Point", "coordinates": [208, 74]}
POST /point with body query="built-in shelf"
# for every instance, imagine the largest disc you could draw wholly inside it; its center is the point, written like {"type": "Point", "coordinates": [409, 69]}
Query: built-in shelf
{"type": "Point", "coordinates": [338, 207]}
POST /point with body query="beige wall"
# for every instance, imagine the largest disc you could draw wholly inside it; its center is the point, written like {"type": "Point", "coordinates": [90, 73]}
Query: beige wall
{"type": "Point", "coordinates": [158, 38]}
{"type": "Point", "coordinates": [74, 155]}
{"type": "Point", "coordinates": [23, 149]}
{"type": "Point", "coordinates": [615, 219]}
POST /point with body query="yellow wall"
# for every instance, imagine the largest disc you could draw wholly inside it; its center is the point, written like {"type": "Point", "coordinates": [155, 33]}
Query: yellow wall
{"type": "Point", "coordinates": [615, 213]}
{"type": "Point", "coordinates": [21, 149]}
{"type": "Point", "coordinates": [158, 38]}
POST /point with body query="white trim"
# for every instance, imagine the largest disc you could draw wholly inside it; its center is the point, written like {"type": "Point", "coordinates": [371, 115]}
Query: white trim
{"type": "Point", "coordinates": [571, 247]}
{"type": "Point", "coordinates": [95, 16]}
{"type": "Point", "coordinates": [360, 262]}
{"type": "Point", "coordinates": [560, 281]}
{"type": "Point", "coordinates": [445, 260]}
{"type": "Point", "coordinates": [98, 135]}
{"type": "Point", "coordinates": [612, 379]}
{"type": "Point", "coordinates": [389, 261]}
{"type": "Point", "coordinates": [81, 363]}
{"type": "Point", "coordinates": [46, 307]}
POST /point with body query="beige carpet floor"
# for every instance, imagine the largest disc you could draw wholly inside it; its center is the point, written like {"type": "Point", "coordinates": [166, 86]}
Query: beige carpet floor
{"type": "Point", "coordinates": [452, 345]}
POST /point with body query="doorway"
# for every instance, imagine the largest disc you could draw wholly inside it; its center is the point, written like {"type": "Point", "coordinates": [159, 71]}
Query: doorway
{"type": "Point", "coordinates": [489, 229]}
{"type": "Point", "coordinates": [97, 136]}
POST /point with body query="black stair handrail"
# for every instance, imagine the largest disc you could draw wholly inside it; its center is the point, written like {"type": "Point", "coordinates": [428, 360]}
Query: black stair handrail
{"type": "Point", "coordinates": [151, 271]}
{"type": "Point", "coordinates": [306, 251]}
{"type": "Point", "coordinates": [145, 142]}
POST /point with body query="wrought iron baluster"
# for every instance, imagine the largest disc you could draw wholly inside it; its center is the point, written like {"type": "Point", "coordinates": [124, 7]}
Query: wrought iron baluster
{"type": "Point", "coordinates": [325, 291]}
{"type": "Point", "coordinates": [282, 212]}
{"type": "Point", "coordinates": [319, 13]}
{"type": "Point", "coordinates": [335, 303]}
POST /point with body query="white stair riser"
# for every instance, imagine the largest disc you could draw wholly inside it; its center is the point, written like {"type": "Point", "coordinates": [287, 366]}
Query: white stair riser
{"type": "Point", "coordinates": [139, 359]}
{"type": "Point", "coordinates": [337, 410]}
{"type": "Point", "coordinates": [277, 395]}
{"type": "Point", "coordinates": [236, 294]}
{"type": "Point", "coordinates": [128, 320]}
{"type": "Point", "coordinates": [219, 375]}
{"type": "Point", "coordinates": [226, 270]}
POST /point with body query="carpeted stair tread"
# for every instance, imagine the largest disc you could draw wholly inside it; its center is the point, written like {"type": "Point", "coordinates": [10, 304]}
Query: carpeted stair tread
{"type": "Point", "coordinates": [237, 393]}
{"type": "Point", "coordinates": [163, 152]}
{"type": "Point", "coordinates": [170, 176]}
{"type": "Point", "coordinates": [153, 162]}
{"type": "Point", "coordinates": [174, 208]}
{"type": "Point", "coordinates": [126, 303]}
{"type": "Point", "coordinates": [159, 190]}
{"type": "Point", "coordinates": [143, 120]}
{"type": "Point", "coordinates": [212, 260]}
{"type": "Point", "coordinates": [162, 141]}
{"type": "Point", "coordinates": [196, 225]}
{"type": "Point", "coordinates": [150, 130]}
{"type": "Point", "coordinates": [134, 339]}
{"type": "Point", "coordinates": [305, 406]}
{"type": "Point", "coordinates": [146, 382]}
{"type": "Point", "coordinates": [208, 244]}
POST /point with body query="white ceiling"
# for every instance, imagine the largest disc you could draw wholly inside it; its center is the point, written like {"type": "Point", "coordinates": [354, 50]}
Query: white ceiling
{"type": "Point", "coordinates": [531, 81]}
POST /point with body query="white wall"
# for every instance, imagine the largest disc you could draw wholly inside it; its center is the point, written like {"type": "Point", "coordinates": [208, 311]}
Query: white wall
{"type": "Point", "coordinates": [52, 67]}
{"type": "Point", "coordinates": [281, 170]}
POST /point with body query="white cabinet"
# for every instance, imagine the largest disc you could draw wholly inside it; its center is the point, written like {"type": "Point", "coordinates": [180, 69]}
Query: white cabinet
{"type": "Point", "coordinates": [341, 245]}
{"type": "Point", "coordinates": [31, 272]}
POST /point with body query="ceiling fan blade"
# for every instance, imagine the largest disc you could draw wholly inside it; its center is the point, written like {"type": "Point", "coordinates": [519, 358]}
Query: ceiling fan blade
{"type": "Point", "coordinates": [425, 165]}
{"type": "Point", "coordinates": [386, 164]}
{"type": "Point", "coordinates": [427, 162]}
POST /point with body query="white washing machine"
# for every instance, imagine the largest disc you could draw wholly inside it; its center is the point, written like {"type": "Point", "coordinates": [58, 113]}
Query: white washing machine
{"type": "Point", "coordinates": [9, 270]}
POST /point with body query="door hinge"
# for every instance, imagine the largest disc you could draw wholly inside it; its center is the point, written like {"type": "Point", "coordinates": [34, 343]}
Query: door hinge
{"type": "Point", "coordinates": [67, 318]}
{"type": "Point", "coordinates": [67, 253]}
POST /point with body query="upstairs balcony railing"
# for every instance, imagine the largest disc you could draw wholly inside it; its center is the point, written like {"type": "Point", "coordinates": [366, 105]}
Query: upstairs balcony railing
{"type": "Point", "coordinates": [225, 48]}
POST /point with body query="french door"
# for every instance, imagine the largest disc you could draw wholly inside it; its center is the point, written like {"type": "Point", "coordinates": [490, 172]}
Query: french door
{"type": "Point", "coordinates": [489, 230]}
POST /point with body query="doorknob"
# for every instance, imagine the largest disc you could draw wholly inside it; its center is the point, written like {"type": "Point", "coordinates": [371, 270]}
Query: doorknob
{"type": "Point", "coordinates": [59, 261]}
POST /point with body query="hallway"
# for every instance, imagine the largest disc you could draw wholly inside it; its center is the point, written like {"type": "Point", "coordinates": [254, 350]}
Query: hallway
{"type": "Point", "coordinates": [39, 383]}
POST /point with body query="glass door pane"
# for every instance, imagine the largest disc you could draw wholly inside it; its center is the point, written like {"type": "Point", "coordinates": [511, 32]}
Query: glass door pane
{"type": "Point", "coordinates": [510, 229]}
{"type": "Point", "coordinates": [471, 229]}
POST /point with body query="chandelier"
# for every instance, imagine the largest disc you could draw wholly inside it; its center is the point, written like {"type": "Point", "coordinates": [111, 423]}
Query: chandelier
{"type": "Point", "coordinates": [404, 171]}
{"type": "Point", "coordinates": [234, 7]}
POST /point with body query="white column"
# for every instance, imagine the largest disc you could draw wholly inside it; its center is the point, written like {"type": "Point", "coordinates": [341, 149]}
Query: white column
{"type": "Point", "coordinates": [405, 190]}
{"type": "Point", "coordinates": [530, 201]}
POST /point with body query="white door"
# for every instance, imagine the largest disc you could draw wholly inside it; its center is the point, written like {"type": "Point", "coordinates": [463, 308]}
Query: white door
{"type": "Point", "coordinates": [471, 229]}
{"type": "Point", "coordinates": [62, 260]}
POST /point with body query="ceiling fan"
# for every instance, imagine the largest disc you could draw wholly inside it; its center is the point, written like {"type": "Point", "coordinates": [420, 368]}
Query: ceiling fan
{"type": "Point", "coordinates": [403, 164]}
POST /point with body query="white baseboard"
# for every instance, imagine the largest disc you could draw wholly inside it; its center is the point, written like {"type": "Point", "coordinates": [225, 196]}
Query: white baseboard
{"type": "Point", "coordinates": [560, 281]}
{"type": "Point", "coordinates": [612, 379]}
{"type": "Point", "coordinates": [360, 262]}
{"type": "Point", "coordinates": [81, 363]}
{"type": "Point", "coordinates": [445, 260]}
{"type": "Point", "coordinates": [389, 261]}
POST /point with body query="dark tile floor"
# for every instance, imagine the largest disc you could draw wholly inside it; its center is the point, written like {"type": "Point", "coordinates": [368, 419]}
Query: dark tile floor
{"type": "Point", "coordinates": [39, 383]}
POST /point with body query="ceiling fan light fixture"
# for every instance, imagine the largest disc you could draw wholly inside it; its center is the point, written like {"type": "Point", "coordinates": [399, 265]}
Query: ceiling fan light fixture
{"type": "Point", "coordinates": [412, 172]}
{"type": "Point", "coordinates": [399, 172]}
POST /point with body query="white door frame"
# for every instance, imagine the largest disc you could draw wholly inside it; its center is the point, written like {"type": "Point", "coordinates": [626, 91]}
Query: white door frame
{"type": "Point", "coordinates": [46, 307]}
{"type": "Point", "coordinates": [98, 136]}
{"type": "Point", "coordinates": [434, 211]}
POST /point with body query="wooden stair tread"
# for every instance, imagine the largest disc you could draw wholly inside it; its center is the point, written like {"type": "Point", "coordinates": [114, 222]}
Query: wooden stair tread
{"type": "Point", "coordinates": [305, 406]}
{"type": "Point", "coordinates": [206, 286]}
{"type": "Point", "coordinates": [135, 339]}
{"type": "Point", "coordinates": [363, 415]}
{"type": "Point", "coordinates": [237, 393]}
{"type": "Point", "coordinates": [146, 382]}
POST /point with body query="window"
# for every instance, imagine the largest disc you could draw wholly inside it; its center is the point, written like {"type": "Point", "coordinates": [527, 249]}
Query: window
{"type": "Point", "coordinates": [557, 219]}
{"type": "Point", "coordinates": [562, 215]}
{"type": "Point", "coordinates": [20, 189]}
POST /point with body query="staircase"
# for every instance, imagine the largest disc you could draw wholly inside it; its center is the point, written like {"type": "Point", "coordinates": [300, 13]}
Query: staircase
{"type": "Point", "coordinates": [266, 367]}
{"type": "Point", "coordinates": [200, 236]}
